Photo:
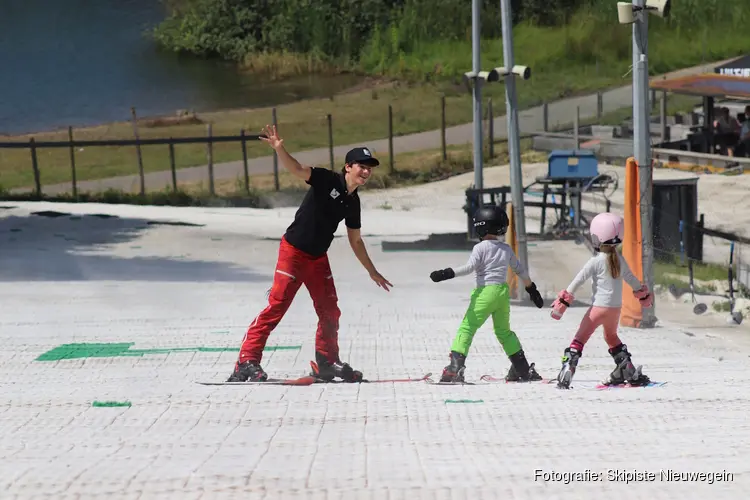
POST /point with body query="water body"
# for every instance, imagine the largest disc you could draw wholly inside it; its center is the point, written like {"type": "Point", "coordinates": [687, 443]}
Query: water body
{"type": "Point", "coordinates": [82, 62]}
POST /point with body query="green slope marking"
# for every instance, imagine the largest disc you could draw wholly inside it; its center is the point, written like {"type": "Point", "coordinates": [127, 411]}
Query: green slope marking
{"type": "Point", "coordinates": [464, 401]}
{"type": "Point", "coordinates": [114, 350]}
{"type": "Point", "coordinates": [111, 404]}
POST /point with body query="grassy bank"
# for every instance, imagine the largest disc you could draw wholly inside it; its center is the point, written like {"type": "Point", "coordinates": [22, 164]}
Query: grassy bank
{"type": "Point", "coordinates": [357, 117]}
{"type": "Point", "coordinates": [414, 168]}
{"type": "Point", "coordinates": [709, 279]}
{"type": "Point", "coordinates": [583, 56]}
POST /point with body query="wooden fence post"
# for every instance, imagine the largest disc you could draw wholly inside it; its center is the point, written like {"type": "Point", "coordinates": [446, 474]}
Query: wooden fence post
{"type": "Point", "coordinates": [210, 154]}
{"type": "Point", "coordinates": [73, 164]}
{"type": "Point", "coordinates": [35, 167]}
{"type": "Point", "coordinates": [491, 127]}
{"type": "Point", "coordinates": [663, 117]}
{"type": "Point", "coordinates": [275, 155]}
{"type": "Point", "coordinates": [330, 139]}
{"type": "Point", "coordinates": [244, 160]}
{"type": "Point", "coordinates": [442, 127]}
{"type": "Point", "coordinates": [138, 152]}
{"type": "Point", "coordinates": [172, 165]}
{"type": "Point", "coordinates": [390, 140]}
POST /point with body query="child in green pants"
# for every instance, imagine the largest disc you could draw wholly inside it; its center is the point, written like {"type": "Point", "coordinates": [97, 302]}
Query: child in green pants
{"type": "Point", "coordinates": [489, 260]}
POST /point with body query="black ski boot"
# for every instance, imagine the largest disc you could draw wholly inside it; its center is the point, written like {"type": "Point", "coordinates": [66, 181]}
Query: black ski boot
{"type": "Point", "coordinates": [454, 372]}
{"type": "Point", "coordinates": [625, 372]}
{"type": "Point", "coordinates": [248, 371]}
{"type": "Point", "coordinates": [520, 369]}
{"type": "Point", "coordinates": [327, 371]}
{"type": "Point", "coordinates": [569, 363]}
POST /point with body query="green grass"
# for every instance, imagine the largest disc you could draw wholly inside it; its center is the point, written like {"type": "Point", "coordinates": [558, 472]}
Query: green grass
{"type": "Point", "coordinates": [412, 169]}
{"type": "Point", "coordinates": [677, 274]}
{"type": "Point", "coordinates": [722, 306]}
{"type": "Point", "coordinates": [582, 57]}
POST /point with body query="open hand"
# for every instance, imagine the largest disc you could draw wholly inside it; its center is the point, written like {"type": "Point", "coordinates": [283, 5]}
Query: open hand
{"type": "Point", "coordinates": [271, 137]}
{"type": "Point", "coordinates": [380, 280]}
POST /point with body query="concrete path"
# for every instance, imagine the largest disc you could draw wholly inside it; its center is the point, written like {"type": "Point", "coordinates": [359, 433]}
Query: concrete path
{"type": "Point", "coordinates": [108, 323]}
{"type": "Point", "coordinates": [531, 120]}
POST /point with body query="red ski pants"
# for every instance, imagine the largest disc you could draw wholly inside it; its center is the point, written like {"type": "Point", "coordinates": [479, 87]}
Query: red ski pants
{"type": "Point", "coordinates": [293, 269]}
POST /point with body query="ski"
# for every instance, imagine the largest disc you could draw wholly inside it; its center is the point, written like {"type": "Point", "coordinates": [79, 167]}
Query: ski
{"type": "Point", "coordinates": [604, 387]}
{"type": "Point", "coordinates": [307, 380]}
{"type": "Point", "coordinates": [318, 380]}
{"type": "Point", "coordinates": [437, 382]}
{"type": "Point", "coordinates": [491, 378]}
{"type": "Point", "coordinates": [424, 378]}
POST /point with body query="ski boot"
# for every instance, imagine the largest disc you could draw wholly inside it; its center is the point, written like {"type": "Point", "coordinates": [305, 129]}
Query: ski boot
{"type": "Point", "coordinates": [520, 370]}
{"type": "Point", "coordinates": [327, 371]}
{"type": "Point", "coordinates": [454, 372]}
{"type": "Point", "coordinates": [248, 371]}
{"type": "Point", "coordinates": [569, 362]}
{"type": "Point", "coordinates": [625, 372]}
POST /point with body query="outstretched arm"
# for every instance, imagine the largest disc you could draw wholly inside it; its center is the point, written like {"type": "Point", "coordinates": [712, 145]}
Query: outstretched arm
{"type": "Point", "coordinates": [628, 275]}
{"type": "Point", "coordinates": [358, 246]}
{"type": "Point", "coordinates": [565, 297]}
{"type": "Point", "coordinates": [450, 273]}
{"type": "Point", "coordinates": [584, 274]}
{"type": "Point", "coordinates": [288, 161]}
{"type": "Point", "coordinates": [529, 285]}
{"type": "Point", "coordinates": [640, 290]}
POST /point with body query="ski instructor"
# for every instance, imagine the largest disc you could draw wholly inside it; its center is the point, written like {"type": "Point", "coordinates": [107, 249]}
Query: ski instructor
{"type": "Point", "coordinates": [303, 259]}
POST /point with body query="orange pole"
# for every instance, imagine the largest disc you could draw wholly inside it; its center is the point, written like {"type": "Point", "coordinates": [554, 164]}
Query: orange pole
{"type": "Point", "coordinates": [510, 239]}
{"type": "Point", "coordinates": [632, 314]}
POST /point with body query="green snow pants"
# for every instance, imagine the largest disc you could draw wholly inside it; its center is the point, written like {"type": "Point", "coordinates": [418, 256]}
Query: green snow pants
{"type": "Point", "coordinates": [486, 301]}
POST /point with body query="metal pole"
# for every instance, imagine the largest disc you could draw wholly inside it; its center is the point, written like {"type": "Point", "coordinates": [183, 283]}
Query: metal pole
{"type": "Point", "coordinates": [514, 147]}
{"type": "Point", "coordinates": [476, 67]}
{"type": "Point", "coordinates": [642, 147]}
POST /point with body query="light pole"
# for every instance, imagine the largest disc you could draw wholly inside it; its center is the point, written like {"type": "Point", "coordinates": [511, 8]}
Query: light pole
{"type": "Point", "coordinates": [636, 13]}
{"type": "Point", "coordinates": [509, 72]}
{"type": "Point", "coordinates": [476, 67]}
{"type": "Point", "coordinates": [514, 146]}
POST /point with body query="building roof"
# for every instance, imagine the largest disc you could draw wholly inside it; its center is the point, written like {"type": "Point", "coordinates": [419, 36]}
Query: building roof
{"type": "Point", "coordinates": [708, 84]}
{"type": "Point", "coordinates": [736, 67]}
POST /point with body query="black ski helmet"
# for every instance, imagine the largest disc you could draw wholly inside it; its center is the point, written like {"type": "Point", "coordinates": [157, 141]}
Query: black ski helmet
{"type": "Point", "coordinates": [490, 219]}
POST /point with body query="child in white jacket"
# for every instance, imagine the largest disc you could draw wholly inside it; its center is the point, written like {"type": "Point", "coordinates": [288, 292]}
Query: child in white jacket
{"type": "Point", "coordinates": [607, 270]}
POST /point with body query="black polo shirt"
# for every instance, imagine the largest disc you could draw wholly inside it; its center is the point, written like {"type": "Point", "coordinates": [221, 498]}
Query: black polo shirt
{"type": "Point", "coordinates": [324, 206]}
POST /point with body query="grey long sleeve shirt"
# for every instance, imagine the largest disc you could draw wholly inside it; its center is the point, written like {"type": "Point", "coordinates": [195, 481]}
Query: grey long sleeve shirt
{"type": "Point", "coordinates": [489, 261]}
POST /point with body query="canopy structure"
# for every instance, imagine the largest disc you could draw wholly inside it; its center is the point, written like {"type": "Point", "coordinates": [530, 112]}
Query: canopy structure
{"type": "Point", "coordinates": [738, 67]}
{"type": "Point", "coordinates": [707, 85]}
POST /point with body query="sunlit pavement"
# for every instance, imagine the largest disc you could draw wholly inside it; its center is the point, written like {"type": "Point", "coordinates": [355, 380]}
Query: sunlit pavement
{"type": "Point", "coordinates": [108, 324]}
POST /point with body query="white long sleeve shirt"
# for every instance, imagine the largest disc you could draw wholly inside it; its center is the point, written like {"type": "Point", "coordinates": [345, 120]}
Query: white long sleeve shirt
{"type": "Point", "coordinates": [606, 290]}
{"type": "Point", "coordinates": [489, 261]}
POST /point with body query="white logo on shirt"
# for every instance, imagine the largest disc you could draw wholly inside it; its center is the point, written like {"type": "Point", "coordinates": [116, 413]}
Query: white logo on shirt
{"type": "Point", "coordinates": [334, 193]}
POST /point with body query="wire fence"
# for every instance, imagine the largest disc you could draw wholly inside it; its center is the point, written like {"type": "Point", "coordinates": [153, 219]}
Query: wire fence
{"type": "Point", "coordinates": [743, 269]}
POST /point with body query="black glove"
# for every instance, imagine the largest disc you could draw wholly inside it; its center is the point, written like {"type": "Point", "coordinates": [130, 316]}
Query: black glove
{"type": "Point", "coordinates": [535, 296]}
{"type": "Point", "coordinates": [442, 275]}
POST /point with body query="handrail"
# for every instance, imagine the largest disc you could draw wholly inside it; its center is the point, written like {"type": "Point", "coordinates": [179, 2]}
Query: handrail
{"type": "Point", "coordinates": [128, 142]}
{"type": "Point", "coordinates": [660, 151]}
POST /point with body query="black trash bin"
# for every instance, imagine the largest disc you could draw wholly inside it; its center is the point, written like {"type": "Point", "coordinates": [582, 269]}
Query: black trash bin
{"type": "Point", "coordinates": [675, 220]}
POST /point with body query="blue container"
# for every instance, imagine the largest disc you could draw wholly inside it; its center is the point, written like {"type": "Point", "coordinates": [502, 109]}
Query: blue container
{"type": "Point", "coordinates": [572, 164]}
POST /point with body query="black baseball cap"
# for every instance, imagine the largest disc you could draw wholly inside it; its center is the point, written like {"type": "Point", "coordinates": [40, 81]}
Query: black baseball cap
{"type": "Point", "coordinates": [361, 155]}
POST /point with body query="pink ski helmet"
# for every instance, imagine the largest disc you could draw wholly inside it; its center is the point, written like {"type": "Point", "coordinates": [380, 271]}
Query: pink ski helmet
{"type": "Point", "coordinates": [607, 229]}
